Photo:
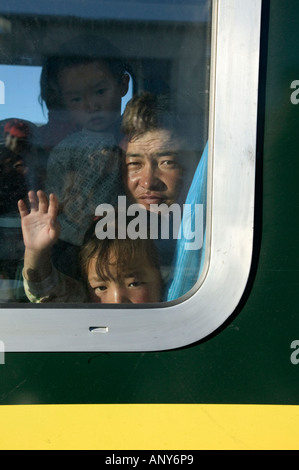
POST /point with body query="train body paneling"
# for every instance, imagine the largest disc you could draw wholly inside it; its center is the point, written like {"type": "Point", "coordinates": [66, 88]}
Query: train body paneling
{"type": "Point", "coordinates": [252, 359]}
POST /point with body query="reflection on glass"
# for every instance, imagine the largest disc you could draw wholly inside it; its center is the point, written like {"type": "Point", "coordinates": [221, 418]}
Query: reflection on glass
{"type": "Point", "coordinates": [103, 150]}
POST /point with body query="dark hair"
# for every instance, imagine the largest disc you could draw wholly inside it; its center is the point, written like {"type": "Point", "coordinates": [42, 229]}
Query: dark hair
{"type": "Point", "coordinates": [124, 250]}
{"type": "Point", "coordinates": [84, 49]}
{"type": "Point", "coordinates": [147, 112]}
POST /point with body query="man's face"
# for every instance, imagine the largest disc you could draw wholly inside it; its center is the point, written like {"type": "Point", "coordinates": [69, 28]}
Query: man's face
{"type": "Point", "coordinates": [92, 95]}
{"type": "Point", "coordinates": [153, 173]}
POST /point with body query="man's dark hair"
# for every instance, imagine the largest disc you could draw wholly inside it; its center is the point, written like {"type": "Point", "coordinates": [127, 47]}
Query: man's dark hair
{"type": "Point", "coordinates": [146, 113]}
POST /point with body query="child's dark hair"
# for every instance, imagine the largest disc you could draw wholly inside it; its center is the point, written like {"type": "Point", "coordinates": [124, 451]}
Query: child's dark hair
{"type": "Point", "coordinates": [83, 49]}
{"type": "Point", "coordinates": [124, 250]}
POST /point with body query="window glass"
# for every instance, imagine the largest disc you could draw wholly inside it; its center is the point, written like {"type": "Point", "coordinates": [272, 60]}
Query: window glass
{"type": "Point", "coordinates": [103, 150]}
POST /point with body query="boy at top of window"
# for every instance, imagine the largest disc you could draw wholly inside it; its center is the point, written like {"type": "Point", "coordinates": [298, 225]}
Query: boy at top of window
{"type": "Point", "coordinates": [64, 79]}
{"type": "Point", "coordinates": [88, 79]}
{"type": "Point", "coordinates": [112, 271]}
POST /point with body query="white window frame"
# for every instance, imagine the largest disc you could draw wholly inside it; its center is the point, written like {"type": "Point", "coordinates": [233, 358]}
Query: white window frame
{"type": "Point", "coordinates": [230, 222]}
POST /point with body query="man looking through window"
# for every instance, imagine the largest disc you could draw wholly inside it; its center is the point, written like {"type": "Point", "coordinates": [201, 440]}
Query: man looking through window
{"type": "Point", "coordinates": [157, 165]}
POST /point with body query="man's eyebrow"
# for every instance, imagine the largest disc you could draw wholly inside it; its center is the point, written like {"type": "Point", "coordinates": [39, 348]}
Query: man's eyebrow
{"type": "Point", "coordinates": [160, 153]}
{"type": "Point", "coordinates": [130, 154]}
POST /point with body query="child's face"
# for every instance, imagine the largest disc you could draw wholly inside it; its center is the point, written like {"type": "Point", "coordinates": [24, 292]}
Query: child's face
{"type": "Point", "coordinates": [139, 284]}
{"type": "Point", "coordinates": [92, 95]}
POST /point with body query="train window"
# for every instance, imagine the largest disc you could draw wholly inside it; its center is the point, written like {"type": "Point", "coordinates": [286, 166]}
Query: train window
{"type": "Point", "coordinates": [127, 170]}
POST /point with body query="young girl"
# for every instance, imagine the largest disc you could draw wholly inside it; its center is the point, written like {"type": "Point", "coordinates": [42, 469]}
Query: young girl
{"type": "Point", "coordinates": [113, 270]}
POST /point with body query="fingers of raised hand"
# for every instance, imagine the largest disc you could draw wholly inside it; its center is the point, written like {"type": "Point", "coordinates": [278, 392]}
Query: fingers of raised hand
{"type": "Point", "coordinates": [53, 206]}
{"type": "Point", "coordinates": [40, 202]}
{"type": "Point", "coordinates": [33, 201]}
{"type": "Point", "coordinates": [22, 209]}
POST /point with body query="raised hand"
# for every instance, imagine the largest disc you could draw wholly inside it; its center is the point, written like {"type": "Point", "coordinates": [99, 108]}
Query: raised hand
{"type": "Point", "coordinates": [39, 225]}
